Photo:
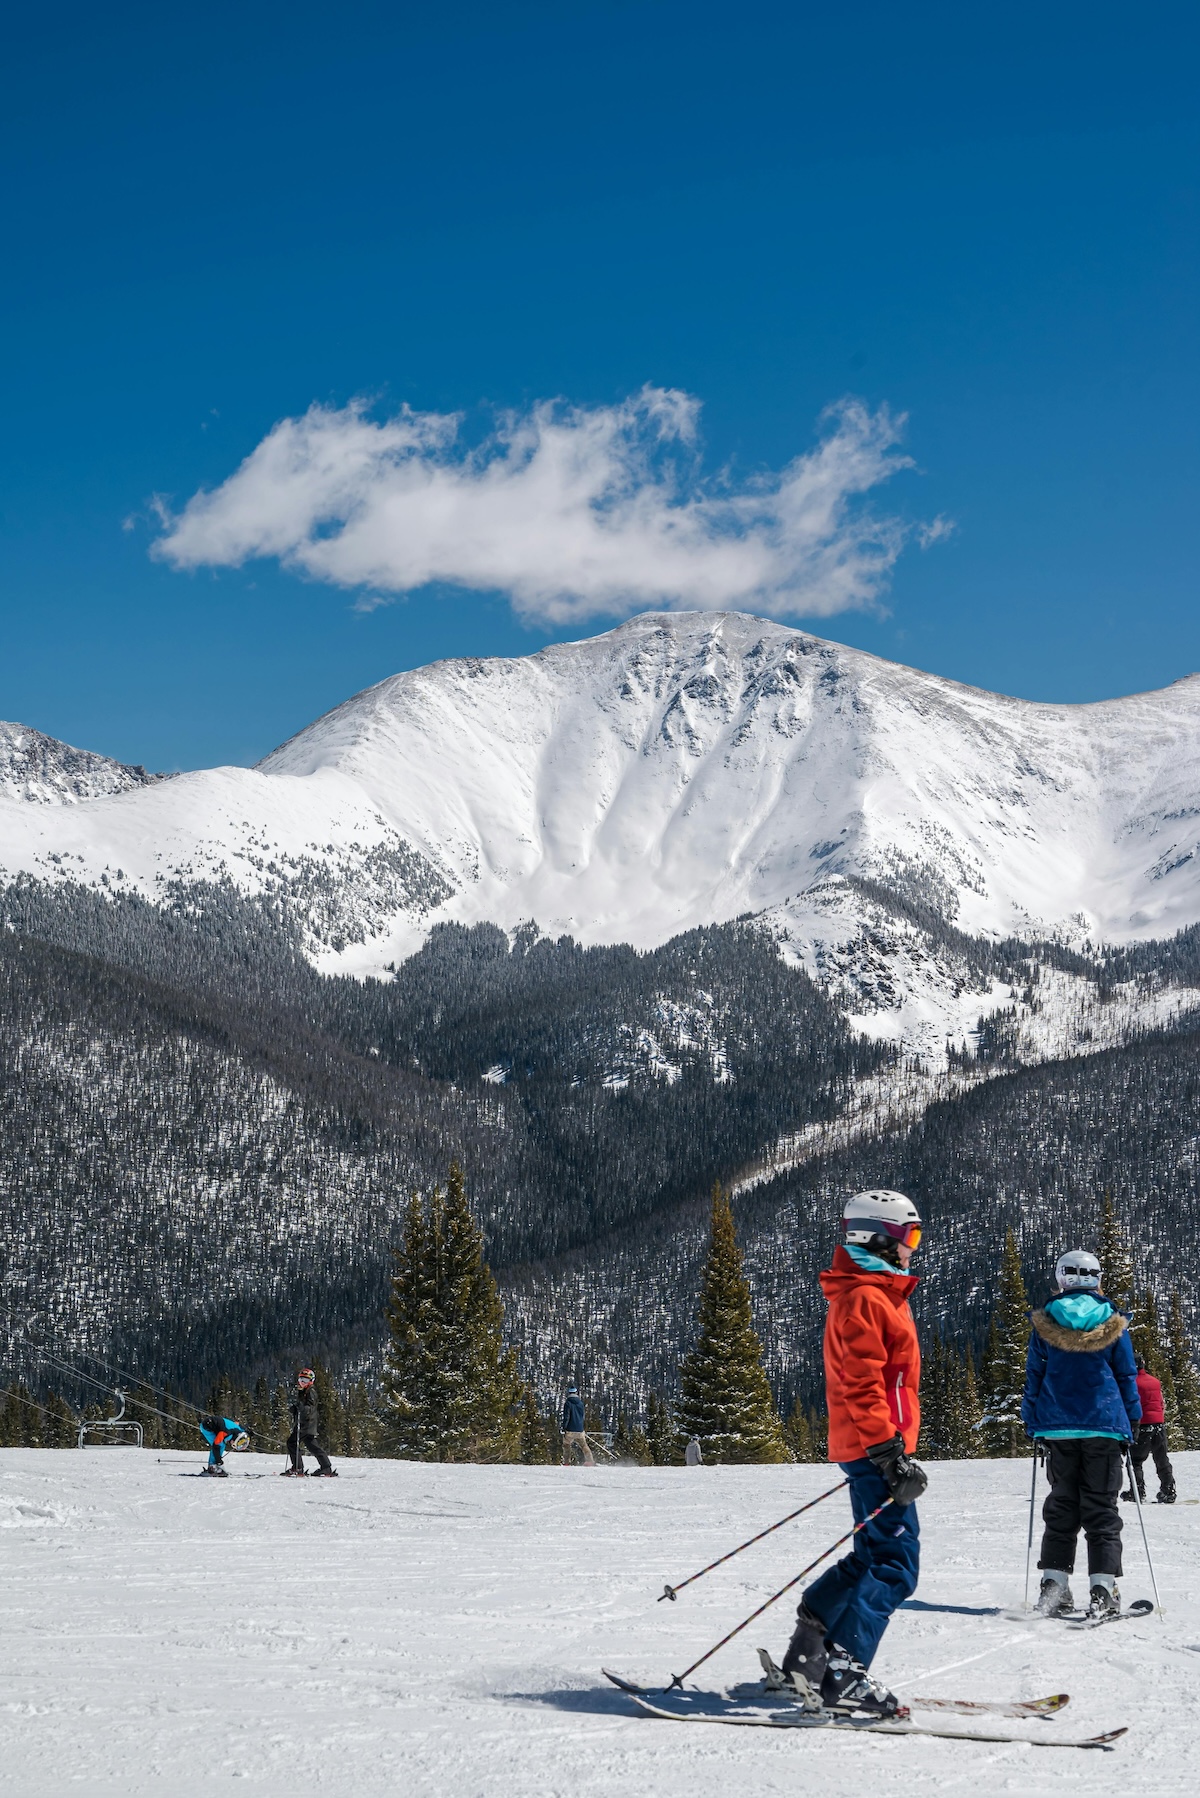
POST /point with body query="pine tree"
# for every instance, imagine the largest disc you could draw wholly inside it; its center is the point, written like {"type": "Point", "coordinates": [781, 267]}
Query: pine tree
{"type": "Point", "coordinates": [930, 1444]}
{"type": "Point", "coordinates": [451, 1389]}
{"type": "Point", "coordinates": [1184, 1377]}
{"type": "Point", "coordinates": [629, 1443]}
{"type": "Point", "coordinates": [963, 1410]}
{"type": "Point", "coordinates": [666, 1448]}
{"type": "Point", "coordinates": [726, 1400]}
{"type": "Point", "coordinates": [536, 1447]}
{"type": "Point", "coordinates": [360, 1420]}
{"type": "Point", "coordinates": [1115, 1258]}
{"type": "Point", "coordinates": [801, 1434]}
{"type": "Point", "coordinates": [1004, 1362]}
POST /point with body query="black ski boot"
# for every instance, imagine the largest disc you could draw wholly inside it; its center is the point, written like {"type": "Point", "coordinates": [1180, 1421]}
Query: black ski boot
{"type": "Point", "coordinates": [324, 1473]}
{"type": "Point", "coordinates": [217, 1473]}
{"type": "Point", "coordinates": [849, 1690]}
{"type": "Point", "coordinates": [1104, 1601]}
{"type": "Point", "coordinates": [807, 1657]}
{"type": "Point", "coordinates": [1166, 1496]}
{"type": "Point", "coordinates": [1127, 1495]}
{"type": "Point", "coordinates": [1054, 1597]}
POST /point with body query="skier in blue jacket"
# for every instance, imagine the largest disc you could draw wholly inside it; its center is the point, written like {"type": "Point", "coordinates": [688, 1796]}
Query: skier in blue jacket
{"type": "Point", "coordinates": [221, 1433]}
{"type": "Point", "coordinates": [1081, 1400]}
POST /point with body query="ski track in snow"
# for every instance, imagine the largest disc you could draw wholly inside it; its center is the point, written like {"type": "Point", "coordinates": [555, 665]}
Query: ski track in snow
{"type": "Point", "coordinates": [417, 1629]}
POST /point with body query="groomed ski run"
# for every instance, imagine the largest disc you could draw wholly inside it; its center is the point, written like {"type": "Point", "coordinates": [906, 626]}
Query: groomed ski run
{"type": "Point", "coordinates": [440, 1630]}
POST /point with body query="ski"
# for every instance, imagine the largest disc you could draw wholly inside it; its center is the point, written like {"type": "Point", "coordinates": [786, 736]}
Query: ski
{"type": "Point", "coordinates": [1141, 1607]}
{"type": "Point", "coordinates": [996, 1707]}
{"type": "Point", "coordinates": [710, 1707]}
{"type": "Point", "coordinates": [965, 1707]}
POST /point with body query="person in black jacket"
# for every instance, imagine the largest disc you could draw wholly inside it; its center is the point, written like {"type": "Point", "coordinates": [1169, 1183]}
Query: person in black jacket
{"type": "Point", "coordinates": [305, 1424]}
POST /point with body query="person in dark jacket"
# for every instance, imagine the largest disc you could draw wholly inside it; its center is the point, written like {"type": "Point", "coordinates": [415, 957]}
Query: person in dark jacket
{"type": "Point", "coordinates": [1151, 1439]}
{"type": "Point", "coordinates": [306, 1422]}
{"type": "Point", "coordinates": [573, 1434]}
{"type": "Point", "coordinates": [1081, 1400]}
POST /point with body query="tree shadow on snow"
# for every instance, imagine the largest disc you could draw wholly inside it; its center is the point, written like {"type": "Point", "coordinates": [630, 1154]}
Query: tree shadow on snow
{"type": "Point", "coordinates": [952, 1610]}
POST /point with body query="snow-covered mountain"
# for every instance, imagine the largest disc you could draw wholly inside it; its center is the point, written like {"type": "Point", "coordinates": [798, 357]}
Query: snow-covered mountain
{"type": "Point", "coordinates": [39, 770]}
{"type": "Point", "coordinates": [682, 769]}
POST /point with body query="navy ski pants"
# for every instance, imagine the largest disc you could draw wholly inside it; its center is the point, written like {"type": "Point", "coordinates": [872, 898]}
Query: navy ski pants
{"type": "Point", "coordinates": [855, 1599]}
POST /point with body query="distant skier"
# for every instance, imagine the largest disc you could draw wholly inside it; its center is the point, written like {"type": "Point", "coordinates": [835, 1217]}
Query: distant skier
{"type": "Point", "coordinates": [221, 1433]}
{"type": "Point", "coordinates": [305, 1425]}
{"type": "Point", "coordinates": [693, 1454]}
{"type": "Point", "coordinates": [574, 1438]}
{"type": "Point", "coordinates": [1151, 1439]}
{"type": "Point", "coordinates": [1081, 1399]}
{"type": "Point", "coordinates": [872, 1376]}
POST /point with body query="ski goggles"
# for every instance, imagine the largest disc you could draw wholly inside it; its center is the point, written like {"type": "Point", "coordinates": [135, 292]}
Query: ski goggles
{"type": "Point", "coordinates": [907, 1235]}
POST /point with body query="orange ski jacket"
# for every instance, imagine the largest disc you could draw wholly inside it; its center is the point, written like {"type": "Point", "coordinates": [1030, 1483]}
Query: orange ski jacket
{"type": "Point", "coordinates": [872, 1359]}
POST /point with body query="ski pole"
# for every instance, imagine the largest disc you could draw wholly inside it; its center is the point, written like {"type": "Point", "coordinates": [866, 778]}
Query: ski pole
{"type": "Point", "coordinates": [680, 1677]}
{"type": "Point", "coordinates": [672, 1592]}
{"type": "Point", "coordinates": [1137, 1499]}
{"type": "Point", "coordinates": [1029, 1544]}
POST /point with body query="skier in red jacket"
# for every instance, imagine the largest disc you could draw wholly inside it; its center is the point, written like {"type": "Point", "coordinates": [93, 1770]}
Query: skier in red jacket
{"type": "Point", "coordinates": [872, 1380]}
{"type": "Point", "coordinates": [1151, 1439]}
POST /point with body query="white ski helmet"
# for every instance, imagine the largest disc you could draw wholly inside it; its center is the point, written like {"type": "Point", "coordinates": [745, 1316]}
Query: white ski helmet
{"type": "Point", "coordinates": [1077, 1271]}
{"type": "Point", "coordinates": [880, 1213]}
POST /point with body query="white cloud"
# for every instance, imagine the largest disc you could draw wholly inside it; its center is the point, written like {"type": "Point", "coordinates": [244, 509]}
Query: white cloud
{"type": "Point", "coordinates": [572, 511]}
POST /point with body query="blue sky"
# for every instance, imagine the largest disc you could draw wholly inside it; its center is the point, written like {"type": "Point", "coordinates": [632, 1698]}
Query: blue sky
{"type": "Point", "coordinates": [215, 219]}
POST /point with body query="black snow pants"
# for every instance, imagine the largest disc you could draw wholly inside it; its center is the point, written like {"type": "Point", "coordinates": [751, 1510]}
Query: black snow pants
{"type": "Point", "coordinates": [299, 1446]}
{"type": "Point", "coordinates": [1086, 1474]}
{"type": "Point", "coordinates": [1152, 1440]}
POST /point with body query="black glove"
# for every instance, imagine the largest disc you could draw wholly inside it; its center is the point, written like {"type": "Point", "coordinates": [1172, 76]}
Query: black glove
{"type": "Point", "coordinates": [904, 1479]}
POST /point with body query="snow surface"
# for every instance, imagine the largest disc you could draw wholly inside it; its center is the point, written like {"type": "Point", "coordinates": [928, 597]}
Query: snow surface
{"type": "Point", "coordinates": [416, 1629]}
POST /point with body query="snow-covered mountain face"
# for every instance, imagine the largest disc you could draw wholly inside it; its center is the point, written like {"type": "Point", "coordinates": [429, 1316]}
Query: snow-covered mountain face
{"type": "Point", "coordinates": [685, 769]}
{"type": "Point", "coordinates": [682, 769]}
{"type": "Point", "coordinates": [39, 770]}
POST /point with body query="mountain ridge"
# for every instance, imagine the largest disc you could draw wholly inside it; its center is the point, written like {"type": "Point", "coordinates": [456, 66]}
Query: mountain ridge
{"type": "Point", "coordinates": [681, 770]}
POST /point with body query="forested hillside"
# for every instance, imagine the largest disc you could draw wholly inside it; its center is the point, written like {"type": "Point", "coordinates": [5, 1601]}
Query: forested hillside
{"type": "Point", "coordinates": [205, 1146]}
{"type": "Point", "coordinates": [1035, 1150]}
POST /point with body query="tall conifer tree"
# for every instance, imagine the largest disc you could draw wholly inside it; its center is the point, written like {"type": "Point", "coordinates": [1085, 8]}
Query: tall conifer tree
{"type": "Point", "coordinates": [1115, 1257]}
{"type": "Point", "coordinates": [1004, 1363]}
{"type": "Point", "coordinates": [726, 1400]}
{"type": "Point", "coordinates": [1183, 1377]}
{"type": "Point", "coordinates": [451, 1389]}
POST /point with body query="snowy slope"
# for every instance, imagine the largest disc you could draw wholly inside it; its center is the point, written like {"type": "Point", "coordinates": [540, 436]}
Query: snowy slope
{"type": "Point", "coordinates": [680, 770]}
{"type": "Point", "coordinates": [425, 1631]}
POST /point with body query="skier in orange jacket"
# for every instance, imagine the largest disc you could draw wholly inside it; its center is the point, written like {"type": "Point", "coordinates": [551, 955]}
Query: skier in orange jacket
{"type": "Point", "coordinates": [872, 1390]}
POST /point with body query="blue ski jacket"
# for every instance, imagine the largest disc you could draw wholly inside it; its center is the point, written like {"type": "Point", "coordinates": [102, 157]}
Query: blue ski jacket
{"type": "Point", "coordinates": [1079, 1371]}
{"type": "Point", "coordinates": [572, 1416]}
{"type": "Point", "coordinates": [219, 1429]}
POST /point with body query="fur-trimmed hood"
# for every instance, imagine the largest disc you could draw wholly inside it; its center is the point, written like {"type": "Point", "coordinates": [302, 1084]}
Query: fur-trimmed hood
{"type": "Point", "coordinates": [1080, 1382]}
{"type": "Point", "coordinates": [1078, 1341]}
